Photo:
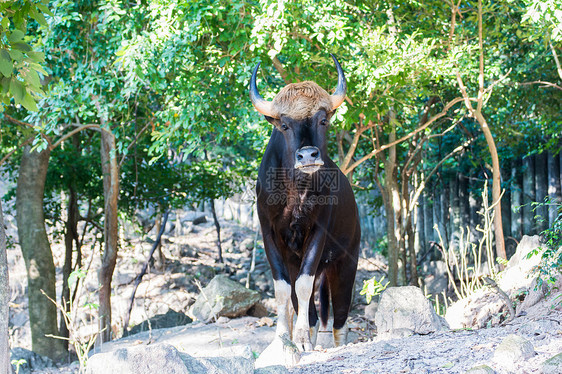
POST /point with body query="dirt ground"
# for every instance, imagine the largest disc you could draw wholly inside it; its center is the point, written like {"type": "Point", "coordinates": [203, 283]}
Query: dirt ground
{"type": "Point", "coordinates": [190, 260]}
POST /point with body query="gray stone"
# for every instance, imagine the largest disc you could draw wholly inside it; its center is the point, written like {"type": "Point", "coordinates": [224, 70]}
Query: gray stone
{"type": "Point", "coordinates": [29, 361]}
{"type": "Point", "coordinates": [535, 295]}
{"type": "Point", "coordinates": [552, 365]}
{"type": "Point", "coordinates": [170, 319]}
{"type": "Point", "coordinates": [526, 245]}
{"type": "Point", "coordinates": [371, 310]}
{"type": "Point", "coordinates": [435, 276]}
{"type": "Point", "coordinates": [274, 369]}
{"type": "Point", "coordinates": [247, 244]}
{"type": "Point", "coordinates": [217, 365]}
{"type": "Point", "coordinates": [481, 369]}
{"type": "Point", "coordinates": [282, 351]}
{"type": "Point", "coordinates": [223, 297]}
{"type": "Point", "coordinates": [158, 358]}
{"type": "Point", "coordinates": [405, 310]}
{"type": "Point", "coordinates": [513, 349]}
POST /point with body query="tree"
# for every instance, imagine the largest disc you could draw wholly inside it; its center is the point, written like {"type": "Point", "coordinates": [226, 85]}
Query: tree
{"type": "Point", "coordinates": [5, 366]}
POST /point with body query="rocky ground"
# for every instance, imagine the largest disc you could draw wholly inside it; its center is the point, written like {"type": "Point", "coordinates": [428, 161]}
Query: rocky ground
{"type": "Point", "coordinates": [531, 338]}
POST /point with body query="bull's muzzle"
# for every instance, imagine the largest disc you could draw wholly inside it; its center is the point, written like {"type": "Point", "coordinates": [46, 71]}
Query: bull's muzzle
{"type": "Point", "coordinates": [308, 159]}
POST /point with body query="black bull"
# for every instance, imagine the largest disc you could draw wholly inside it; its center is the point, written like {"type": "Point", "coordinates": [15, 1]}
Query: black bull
{"type": "Point", "coordinates": [307, 211]}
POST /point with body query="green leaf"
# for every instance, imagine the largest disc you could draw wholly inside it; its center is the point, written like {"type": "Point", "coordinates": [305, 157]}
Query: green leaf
{"type": "Point", "coordinates": [29, 103]}
{"type": "Point", "coordinates": [17, 90]}
{"type": "Point", "coordinates": [31, 77]}
{"type": "Point", "coordinates": [16, 55]}
{"type": "Point", "coordinates": [22, 46]}
{"type": "Point", "coordinates": [36, 56]}
{"type": "Point", "coordinates": [45, 10]}
{"type": "Point", "coordinates": [16, 36]}
{"type": "Point", "coordinates": [39, 17]}
{"type": "Point", "coordinates": [6, 64]}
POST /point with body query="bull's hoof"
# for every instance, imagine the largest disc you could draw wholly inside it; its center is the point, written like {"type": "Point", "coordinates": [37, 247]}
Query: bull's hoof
{"type": "Point", "coordinates": [282, 351]}
{"type": "Point", "coordinates": [301, 338]}
{"type": "Point", "coordinates": [340, 336]}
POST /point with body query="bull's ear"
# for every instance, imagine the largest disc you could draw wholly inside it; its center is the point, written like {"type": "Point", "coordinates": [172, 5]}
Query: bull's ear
{"type": "Point", "coordinates": [271, 120]}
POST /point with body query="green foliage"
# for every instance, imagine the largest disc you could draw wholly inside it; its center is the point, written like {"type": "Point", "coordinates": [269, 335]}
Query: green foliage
{"type": "Point", "coordinates": [550, 266]}
{"type": "Point", "coordinates": [20, 64]}
{"type": "Point", "coordinates": [373, 287]}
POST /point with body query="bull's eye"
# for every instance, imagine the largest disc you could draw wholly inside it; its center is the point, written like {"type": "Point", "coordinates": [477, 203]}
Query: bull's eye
{"type": "Point", "coordinates": [324, 122]}
{"type": "Point", "coordinates": [284, 127]}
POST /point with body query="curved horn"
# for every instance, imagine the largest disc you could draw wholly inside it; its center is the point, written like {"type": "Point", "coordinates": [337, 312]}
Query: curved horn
{"type": "Point", "coordinates": [263, 106]}
{"type": "Point", "coordinates": [339, 96]}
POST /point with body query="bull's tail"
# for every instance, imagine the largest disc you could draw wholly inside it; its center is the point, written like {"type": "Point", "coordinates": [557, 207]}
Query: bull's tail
{"type": "Point", "coordinates": [324, 295]}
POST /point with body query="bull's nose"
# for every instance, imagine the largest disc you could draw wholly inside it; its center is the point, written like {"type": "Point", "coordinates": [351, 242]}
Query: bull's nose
{"type": "Point", "coordinates": [308, 155]}
{"type": "Point", "coordinates": [308, 158]}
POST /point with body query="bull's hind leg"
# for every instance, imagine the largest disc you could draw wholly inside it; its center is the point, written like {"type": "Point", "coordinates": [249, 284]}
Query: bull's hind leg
{"type": "Point", "coordinates": [341, 277]}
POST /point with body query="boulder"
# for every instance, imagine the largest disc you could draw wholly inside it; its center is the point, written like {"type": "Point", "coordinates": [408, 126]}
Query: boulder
{"type": "Point", "coordinates": [519, 269]}
{"type": "Point", "coordinates": [282, 351]}
{"type": "Point", "coordinates": [481, 369]}
{"type": "Point", "coordinates": [405, 311]}
{"type": "Point", "coordinates": [170, 319]}
{"type": "Point", "coordinates": [158, 358]}
{"type": "Point", "coordinates": [552, 365]}
{"type": "Point", "coordinates": [513, 349]}
{"type": "Point", "coordinates": [164, 358]}
{"type": "Point", "coordinates": [371, 310]}
{"type": "Point", "coordinates": [223, 297]}
{"type": "Point", "coordinates": [28, 361]}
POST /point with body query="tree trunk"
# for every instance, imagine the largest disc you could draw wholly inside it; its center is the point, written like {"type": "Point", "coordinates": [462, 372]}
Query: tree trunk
{"type": "Point", "coordinates": [5, 367]}
{"type": "Point", "coordinates": [554, 189]}
{"type": "Point", "coordinates": [420, 241]}
{"type": "Point", "coordinates": [464, 202]}
{"type": "Point", "coordinates": [70, 237]}
{"type": "Point", "coordinates": [160, 259]}
{"type": "Point", "coordinates": [516, 200]}
{"type": "Point", "coordinates": [37, 253]}
{"type": "Point", "coordinates": [496, 186]}
{"type": "Point", "coordinates": [392, 206]}
{"type": "Point", "coordinates": [218, 227]}
{"type": "Point", "coordinates": [110, 169]}
{"type": "Point", "coordinates": [428, 218]}
{"type": "Point", "coordinates": [454, 212]}
{"type": "Point", "coordinates": [528, 195]}
{"type": "Point", "coordinates": [541, 190]}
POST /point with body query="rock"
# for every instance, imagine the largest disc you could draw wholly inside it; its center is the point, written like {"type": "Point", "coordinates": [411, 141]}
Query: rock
{"type": "Point", "coordinates": [247, 245]}
{"type": "Point", "coordinates": [371, 310]}
{"type": "Point", "coordinates": [535, 295]}
{"type": "Point", "coordinates": [282, 351]}
{"type": "Point", "coordinates": [403, 309]}
{"type": "Point", "coordinates": [29, 361]}
{"type": "Point", "coordinates": [435, 276]}
{"type": "Point", "coordinates": [199, 220]}
{"type": "Point", "coordinates": [158, 358]}
{"type": "Point", "coordinates": [274, 369]}
{"type": "Point", "coordinates": [526, 245]}
{"type": "Point", "coordinates": [519, 267]}
{"type": "Point", "coordinates": [227, 361]}
{"type": "Point", "coordinates": [223, 297]}
{"type": "Point", "coordinates": [160, 321]}
{"type": "Point", "coordinates": [481, 369]}
{"type": "Point", "coordinates": [512, 350]}
{"type": "Point", "coordinates": [476, 310]}
{"type": "Point", "coordinates": [258, 310]}
{"type": "Point", "coordinates": [552, 365]}
{"type": "Point", "coordinates": [164, 358]}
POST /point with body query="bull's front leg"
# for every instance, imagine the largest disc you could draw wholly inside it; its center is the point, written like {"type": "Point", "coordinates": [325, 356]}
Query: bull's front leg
{"type": "Point", "coordinates": [304, 287]}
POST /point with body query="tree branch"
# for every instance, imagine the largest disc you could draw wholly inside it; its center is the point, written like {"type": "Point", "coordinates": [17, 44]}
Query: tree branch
{"type": "Point", "coordinates": [419, 129]}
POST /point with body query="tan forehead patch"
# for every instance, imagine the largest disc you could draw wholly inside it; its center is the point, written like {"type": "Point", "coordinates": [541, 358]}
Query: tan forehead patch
{"type": "Point", "coordinates": [301, 100]}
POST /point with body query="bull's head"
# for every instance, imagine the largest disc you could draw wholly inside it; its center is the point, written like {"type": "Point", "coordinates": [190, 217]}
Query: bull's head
{"type": "Point", "coordinates": [302, 112]}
